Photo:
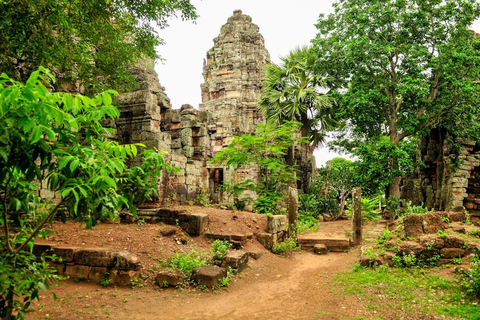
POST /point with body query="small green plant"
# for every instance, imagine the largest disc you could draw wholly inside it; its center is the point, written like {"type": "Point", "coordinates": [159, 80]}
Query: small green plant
{"type": "Point", "coordinates": [393, 204]}
{"type": "Point", "coordinates": [385, 237]}
{"type": "Point", "coordinates": [474, 233]}
{"type": "Point", "coordinates": [219, 249]}
{"type": "Point", "coordinates": [409, 209]}
{"type": "Point", "coordinates": [187, 261]}
{"type": "Point", "coordinates": [442, 234]}
{"type": "Point", "coordinates": [288, 245]}
{"type": "Point", "coordinates": [105, 281]}
{"type": "Point", "coordinates": [457, 260]}
{"type": "Point", "coordinates": [445, 219]}
{"type": "Point", "coordinates": [405, 261]}
{"type": "Point", "coordinates": [164, 284]}
{"type": "Point", "coordinates": [430, 245]}
{"type": "Point", "coordinates": [203, 199]}
{"type": "Point", "coordinates": [136, 282]}
{"type": "Point", "coordinates": [370, 253]}
{"type": "Point", "coordinates": [224, 282]}
{"type": "Point", "coordinates": [78, 278]}
{"type": "Point", "coordinates": [471, 278]}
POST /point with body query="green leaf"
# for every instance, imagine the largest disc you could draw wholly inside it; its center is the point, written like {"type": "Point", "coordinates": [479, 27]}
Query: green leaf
{"type": "Point", "coordinates": [63, 162]}
{"type": "Point", "coordinates": [36, 134]}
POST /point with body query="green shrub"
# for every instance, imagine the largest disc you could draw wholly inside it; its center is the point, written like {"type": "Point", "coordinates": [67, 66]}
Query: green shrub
{"type": "Point", "coordinates": [409, 209]}
{"type": "Point", "coordinates": [287, 245]}
{"type": "Point", "coordinates": [266, 203]}
{"type": "Point", "coordinates": [219, 249]}
{"type": "Point", "coordinates": [187, 261]}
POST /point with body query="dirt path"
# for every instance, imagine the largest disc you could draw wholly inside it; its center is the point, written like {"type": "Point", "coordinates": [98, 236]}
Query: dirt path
{"type": "Point", "coordinates": [295, 287]}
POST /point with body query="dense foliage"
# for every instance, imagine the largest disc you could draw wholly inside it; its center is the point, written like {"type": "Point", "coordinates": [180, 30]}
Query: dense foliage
{"type": "Point", "coordinates": [55, 141]}
{"type": "Point", "coordinates": [94, 42]}
{"type": "Point", "coordinates": [407, 66]}
{"type": "Point", "coordinates": [266, 150]}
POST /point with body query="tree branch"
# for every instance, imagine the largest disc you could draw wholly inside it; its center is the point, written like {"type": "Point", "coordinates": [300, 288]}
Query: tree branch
{"type": "Point", "coordinates": [5, 219]}
{"type": "Point", "coordinates": [40, 226]}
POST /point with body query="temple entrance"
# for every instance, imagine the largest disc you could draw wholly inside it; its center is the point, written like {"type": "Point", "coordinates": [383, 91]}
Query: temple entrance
{"type": "Point", "coordinates": [215, 181]}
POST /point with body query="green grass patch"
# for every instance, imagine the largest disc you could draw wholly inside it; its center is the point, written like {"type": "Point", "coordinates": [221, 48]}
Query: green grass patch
{"type": "Point", "coordinates": [413, 290]}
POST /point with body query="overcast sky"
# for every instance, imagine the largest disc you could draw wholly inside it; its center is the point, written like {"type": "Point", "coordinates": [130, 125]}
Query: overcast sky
{"type": "Point", "coordinates": [283, 24]}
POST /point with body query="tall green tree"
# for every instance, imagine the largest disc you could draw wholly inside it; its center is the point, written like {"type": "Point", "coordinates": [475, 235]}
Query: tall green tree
{"type": "Point", "coordinates": [56, 140]}
{"type": "Point", "coordinates": [294, 92]}
{"type": "Point", "coordinates": [342, 176]}
{"type": "Point", "coordinates": [409, 66]}
{"type": "Point", "coordinates": [94, 42]}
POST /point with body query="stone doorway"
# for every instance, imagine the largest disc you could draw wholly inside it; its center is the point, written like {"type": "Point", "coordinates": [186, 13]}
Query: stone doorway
{"type": "Point", "coordinates": [472, 201]}
{"type": "Point", "coordinates": [215, 182]}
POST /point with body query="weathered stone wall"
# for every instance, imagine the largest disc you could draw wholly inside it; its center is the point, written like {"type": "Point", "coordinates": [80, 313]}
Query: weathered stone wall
{"type": "Point", "coordinates": [450, 180]}
{"type": "Point", "coordinates": [190, 137]}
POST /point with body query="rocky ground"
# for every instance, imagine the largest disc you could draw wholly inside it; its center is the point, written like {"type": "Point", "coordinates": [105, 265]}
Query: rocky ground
{"type": "Point", "coordinates": [298, 285]}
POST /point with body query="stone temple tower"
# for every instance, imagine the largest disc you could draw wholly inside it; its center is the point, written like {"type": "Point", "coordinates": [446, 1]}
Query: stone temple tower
{"type": "Point", "coordinates": [233, 77]}
{"type": "Point", "coordinates": [233, 84]}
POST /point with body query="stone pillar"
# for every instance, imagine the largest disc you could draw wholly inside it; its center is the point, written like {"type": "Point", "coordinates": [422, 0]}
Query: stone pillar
{"type": "Point", "coordinates": [357, 216]}
{"type": "Point", "coordinates": [292, 210]}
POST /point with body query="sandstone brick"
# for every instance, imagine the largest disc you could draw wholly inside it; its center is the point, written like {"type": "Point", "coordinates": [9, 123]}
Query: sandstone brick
{"type": "Point", "coordinates": [276, 223]}
{"type": "Point", "coordinates": [208, 275]}
{"type": "Point", "coordinates": [94, 257]}
{"type": "Point", "coordinates": [432, 222]}
{"type": "Point", "coordinates": [413, 225]}
{"type": "Point", "coordinates": [171, 278]}
{"type": "Point", "coordinates": [450, 253]}
{"type": "Point", "coordinates": [236, 259]}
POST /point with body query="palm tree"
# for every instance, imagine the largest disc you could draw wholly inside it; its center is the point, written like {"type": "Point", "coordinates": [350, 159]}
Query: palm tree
{"type": "Point", "coordinates": [294, 92]}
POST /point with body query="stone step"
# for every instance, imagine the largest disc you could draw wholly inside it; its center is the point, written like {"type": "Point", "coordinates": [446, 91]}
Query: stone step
{"type": "Point", "coordinates": [332, 244]}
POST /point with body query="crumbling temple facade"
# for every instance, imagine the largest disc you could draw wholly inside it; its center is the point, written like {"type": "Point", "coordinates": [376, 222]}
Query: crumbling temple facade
{"type": "Point", "coordinates": [189, 137]}
{"type": "Point", "coordinates": [450, 180]}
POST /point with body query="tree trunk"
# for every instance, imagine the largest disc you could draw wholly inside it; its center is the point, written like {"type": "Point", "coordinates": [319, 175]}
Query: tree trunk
{"type": "Point", "coordinates": [305, 168]}
{"type": "Point", "coordinates": [394, 188]}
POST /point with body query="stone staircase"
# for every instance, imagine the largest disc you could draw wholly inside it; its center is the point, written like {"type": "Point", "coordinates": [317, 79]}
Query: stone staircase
{"type": "Point", "coordinates": [377, 230]}
{"type": "Point", "coordinates": [338, 244]}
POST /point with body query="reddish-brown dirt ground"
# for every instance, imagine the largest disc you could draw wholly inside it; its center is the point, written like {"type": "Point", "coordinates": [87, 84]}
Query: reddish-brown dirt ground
{"type": "Point", "coordinates": [293, 286]}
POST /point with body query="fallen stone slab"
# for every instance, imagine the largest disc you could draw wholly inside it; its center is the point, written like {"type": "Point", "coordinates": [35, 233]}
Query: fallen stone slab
{"type": "Point", "coordinates": [95, 258]}
{"type": "Point", "coordinates": [276, 223]}
{"type": "Point", "coordinates": [320, 248]}
{"type": "Point", "coordinates": [265, 239]}
{"type": "Point", "coordinates": [124, 260]}
{"type": "Point", "coordinates": [255, 254]}
{"type": "Point", "coordinates": [409, 247]}
{"type": "Point", "coordinates": [236, 259]}
{"type": "Point", "coordinates": [237, 240]}
{"type": "Point", "coordinates": [170, 278]}
{"type": "Point", "coordinates": [332, 244]}
{"type": "Point", "coordinates": [168, 231]}
{"type": "Point", "coordinates": [208, 275]}
{"type": "Point", "coordinates": [450, 253]}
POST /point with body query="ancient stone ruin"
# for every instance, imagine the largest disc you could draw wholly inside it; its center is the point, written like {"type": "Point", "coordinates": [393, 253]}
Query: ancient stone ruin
{"type": "Point", "coordinates": [190, 137]}
{"type": "Point", "coordinates": [450, 180]}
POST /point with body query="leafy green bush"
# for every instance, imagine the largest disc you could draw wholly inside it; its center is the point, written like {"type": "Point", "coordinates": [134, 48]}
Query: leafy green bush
{"type": "Point", "coordinates": [287, 245]}
{"type": "Point", "coordinates": [187, 261]}
{"type": "Point", "coordinates": [266, 204]}
{"type": "Point", "coordinates": [315, 203]}
{"type": "Point", "coordinates": [22, 276]}
{"type": "Point", "coordinates": [409, 209]}
{"type": "Point", "coordinates": [369, 207]}
{"type": "Point", "coordinates": [219, 249]}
